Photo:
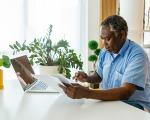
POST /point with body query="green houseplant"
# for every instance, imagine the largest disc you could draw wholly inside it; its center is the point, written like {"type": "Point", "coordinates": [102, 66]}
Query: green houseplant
{"type": "Point", "coordinates": [5, 62]}
{"type": "Point", "coordinates": [42, 51]}
{"type": "Point", "coordinates": [93, 46]}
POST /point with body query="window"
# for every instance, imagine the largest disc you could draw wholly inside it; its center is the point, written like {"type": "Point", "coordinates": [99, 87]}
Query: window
{"type": "Point", "coordinates": [64, 15]}
{"type": "Point", "coordinates": [28, 19]}
{"type": "Point", "coordinates": [11, 22]}
{"type": "Point", "coordinates": [147, 23]}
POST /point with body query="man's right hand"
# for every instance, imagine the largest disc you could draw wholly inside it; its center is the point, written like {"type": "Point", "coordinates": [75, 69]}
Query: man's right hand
{"type": "Point", "coordinates": [81, 76]}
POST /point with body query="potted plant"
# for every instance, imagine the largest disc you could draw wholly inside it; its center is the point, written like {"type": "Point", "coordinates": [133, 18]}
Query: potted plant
{"type": "Point", "coordinates": [93, 46]}
{"type": "Point", "coordinates": [5, 62]}
{"type": "Point", "coordinates": [45, 53]}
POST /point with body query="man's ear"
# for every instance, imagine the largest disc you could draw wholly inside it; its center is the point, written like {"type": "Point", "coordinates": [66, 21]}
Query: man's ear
{"type": "Point", "coordinates": [123, 35]}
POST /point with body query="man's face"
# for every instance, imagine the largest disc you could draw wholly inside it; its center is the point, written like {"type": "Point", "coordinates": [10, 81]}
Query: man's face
{"type": "Point", "coordinates": [111, 39]}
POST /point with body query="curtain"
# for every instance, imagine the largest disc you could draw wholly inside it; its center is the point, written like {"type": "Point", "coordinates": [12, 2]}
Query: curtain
{"type": "Point", "coordinates": [11, 22]}
{"type": "Point", "coordinates": [64, 15]}
{"type": "Point", "coordinates": [28, 19]}
{"type": "Point", "coordinates": [107, 8]}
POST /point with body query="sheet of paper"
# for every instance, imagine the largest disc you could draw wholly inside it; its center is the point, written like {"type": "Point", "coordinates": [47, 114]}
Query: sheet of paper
{"type": "Point", "coordinates": [63, 79]}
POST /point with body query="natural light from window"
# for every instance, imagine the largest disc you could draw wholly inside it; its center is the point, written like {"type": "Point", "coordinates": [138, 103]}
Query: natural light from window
{"type": "Point", "coordinates": [28, 19]}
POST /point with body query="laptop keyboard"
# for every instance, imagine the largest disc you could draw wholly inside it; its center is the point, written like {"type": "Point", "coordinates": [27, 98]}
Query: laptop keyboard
{"type": "Point", "coordinates": [40, 86]}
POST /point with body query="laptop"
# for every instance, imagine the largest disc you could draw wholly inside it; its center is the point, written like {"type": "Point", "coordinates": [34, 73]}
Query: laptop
{"type": "Point", "coordinates": [24, 72]}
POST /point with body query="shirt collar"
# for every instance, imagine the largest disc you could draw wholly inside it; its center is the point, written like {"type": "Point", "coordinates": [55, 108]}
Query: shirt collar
{"type": "Point", "coordinates": [124, 47]}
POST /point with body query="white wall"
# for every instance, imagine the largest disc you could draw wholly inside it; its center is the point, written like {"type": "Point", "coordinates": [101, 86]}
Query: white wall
{"type": "Point", "coordinates": [93, 23]}
{"type": "Point", "coordinates": [132, 11]}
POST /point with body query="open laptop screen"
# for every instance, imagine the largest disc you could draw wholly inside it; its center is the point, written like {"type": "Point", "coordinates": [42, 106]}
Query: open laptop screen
{"type": "Point", "coordinates": [23, 70]}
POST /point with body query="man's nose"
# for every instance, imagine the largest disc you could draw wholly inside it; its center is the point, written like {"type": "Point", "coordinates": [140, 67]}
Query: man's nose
{"type": "Point", "coordinates": [105, 42]}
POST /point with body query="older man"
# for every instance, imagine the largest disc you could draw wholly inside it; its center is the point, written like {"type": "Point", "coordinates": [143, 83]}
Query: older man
{"type": "Point", "coordinates": [122, 69]}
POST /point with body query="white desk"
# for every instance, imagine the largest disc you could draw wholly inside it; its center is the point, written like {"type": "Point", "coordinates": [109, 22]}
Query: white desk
{"type": "Point", "coordinates": [17, 105]}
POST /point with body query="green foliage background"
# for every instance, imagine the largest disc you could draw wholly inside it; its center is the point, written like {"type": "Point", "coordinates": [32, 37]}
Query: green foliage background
{"type": "Point", "coordinates": [44, 52]}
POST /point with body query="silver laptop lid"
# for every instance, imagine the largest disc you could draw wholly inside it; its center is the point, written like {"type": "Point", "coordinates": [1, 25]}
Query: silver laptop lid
{"type": "Point", "coordinates": [23, 71]}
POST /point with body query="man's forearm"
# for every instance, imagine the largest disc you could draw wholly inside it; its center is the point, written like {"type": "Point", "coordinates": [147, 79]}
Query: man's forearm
{"type": "Point", "coordinates": [95, 78]}
{"type": "Point", "coordinates": [109, 95]}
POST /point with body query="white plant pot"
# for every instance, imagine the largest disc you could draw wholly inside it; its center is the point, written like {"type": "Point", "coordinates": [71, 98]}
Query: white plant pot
{"type": "Point", "coordinates": [48, 70]}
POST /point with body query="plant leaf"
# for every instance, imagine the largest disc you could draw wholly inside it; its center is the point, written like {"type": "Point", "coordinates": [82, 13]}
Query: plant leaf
{"type": "Point", "coordinates": [6, 61]}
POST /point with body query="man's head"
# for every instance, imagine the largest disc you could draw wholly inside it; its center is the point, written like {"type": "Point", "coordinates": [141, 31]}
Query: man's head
{"type": "Point", "coordinates": [113, 32]}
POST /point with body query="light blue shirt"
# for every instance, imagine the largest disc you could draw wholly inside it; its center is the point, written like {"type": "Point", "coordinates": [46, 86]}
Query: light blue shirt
{"type": "Point", "coordinates": [130, 65]}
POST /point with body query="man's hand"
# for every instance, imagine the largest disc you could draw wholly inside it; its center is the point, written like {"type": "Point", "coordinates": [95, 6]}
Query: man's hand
{"type": "Point", "coordinates": [81, 76]}
{"type": "Point", "coordinates": [75, 91]}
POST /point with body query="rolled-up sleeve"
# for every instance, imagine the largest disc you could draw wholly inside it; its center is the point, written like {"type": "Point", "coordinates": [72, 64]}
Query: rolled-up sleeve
{"type": "Point", "coordinates": [136, 71]}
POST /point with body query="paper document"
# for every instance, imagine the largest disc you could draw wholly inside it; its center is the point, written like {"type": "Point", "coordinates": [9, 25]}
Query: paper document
{"type": "Point", "coordinates": [53, 80]}
{"type": "Point", "coordinates": [63, 79]}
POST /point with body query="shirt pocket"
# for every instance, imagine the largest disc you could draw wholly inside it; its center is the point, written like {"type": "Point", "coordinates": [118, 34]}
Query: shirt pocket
{"type": "Point", "coordinates": [117, 79]}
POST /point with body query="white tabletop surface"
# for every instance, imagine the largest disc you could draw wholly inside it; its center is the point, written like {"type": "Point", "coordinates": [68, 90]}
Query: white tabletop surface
{"type": "Point", "coordinates": [17, 105]}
